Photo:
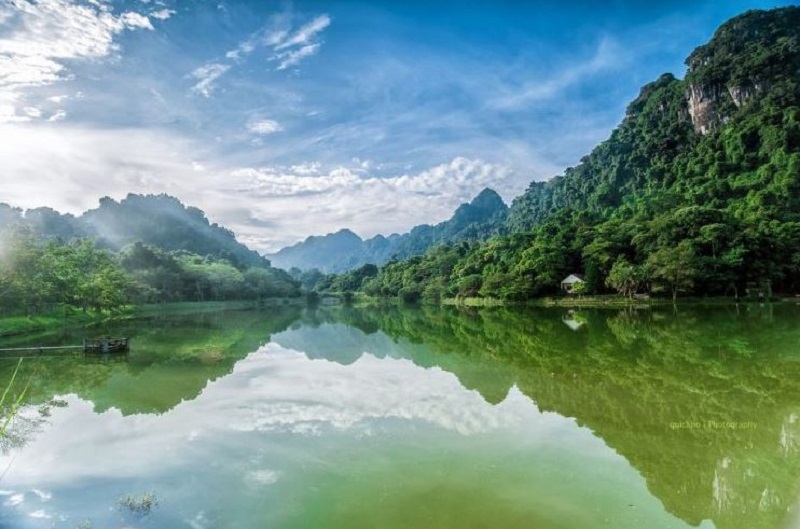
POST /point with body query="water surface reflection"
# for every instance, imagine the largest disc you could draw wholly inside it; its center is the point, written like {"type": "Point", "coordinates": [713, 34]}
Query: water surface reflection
{"type": "Point", "coordinates": [433, 418]}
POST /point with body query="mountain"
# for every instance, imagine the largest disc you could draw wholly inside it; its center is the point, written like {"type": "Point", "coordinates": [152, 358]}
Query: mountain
{"type": "Point", "coordinates": [160, 221]}
{"type": "Point", "coordinates": [163, 221]}
{"type": "Point", "coordinates": [143, 249]}
{"type": "Point", "coordinates": [333, 252]}
{"type": "Point", "coordinates": [344, 250]}
{"type": "Point", "coordinates": [739, 88]}
{"type": "Point", "coordinates": [697, 191]}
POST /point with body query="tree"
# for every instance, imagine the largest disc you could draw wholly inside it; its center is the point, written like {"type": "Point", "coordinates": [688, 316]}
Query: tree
{"type": "Point", "coordinates": [624, 277]}
{"type": "Point", "coordinates": [580, 288]}
{"type": "Point", "coordinates": [674, 269]}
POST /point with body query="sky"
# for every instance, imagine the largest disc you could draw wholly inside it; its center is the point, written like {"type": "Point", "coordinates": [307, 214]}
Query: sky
{"type": "Point", "coordinates": [283, 119]}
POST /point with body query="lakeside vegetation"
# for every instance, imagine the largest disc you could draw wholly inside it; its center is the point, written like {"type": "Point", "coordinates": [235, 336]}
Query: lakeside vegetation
{"type": "Point", "coordinates": [44, 280]}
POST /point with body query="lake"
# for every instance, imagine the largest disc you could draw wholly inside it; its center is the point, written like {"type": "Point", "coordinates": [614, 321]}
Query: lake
{"type": "Point", "coordinates": [385, 417]}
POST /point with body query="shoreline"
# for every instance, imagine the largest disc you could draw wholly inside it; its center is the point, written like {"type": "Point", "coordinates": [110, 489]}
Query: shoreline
{"type": "Point", "coordinates": [24, 326]}
{"type": "Point", "coordinates": [602, 301]}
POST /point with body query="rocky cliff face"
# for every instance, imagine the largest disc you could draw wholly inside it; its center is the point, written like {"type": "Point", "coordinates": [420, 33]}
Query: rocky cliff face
{"type": "Point", "coordinates": [710, 105]}
{"type": "Point", "coordinates": [747, 57]}
{"type": "Point", "coordinates": [704, 102]}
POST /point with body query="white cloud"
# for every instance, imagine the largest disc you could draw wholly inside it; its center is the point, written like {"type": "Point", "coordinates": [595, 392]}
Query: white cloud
{"type": "Point", "coordinates": [364, 165]}
{"type": "Point", "coordinates": [58, 115]}
{"type": "Point", "coordinates": [291, 58]}
{"type": "Point", "coordinates": [21, 72]}
{"type": "Point", "coordinates": [135, 20]}
{"type": "Point", "coordinates": [291, 48]}
{"type": "Point", "coordinates": [264, 126]}
{"type": "Point", "coordinates": [47, 35]}
{"type": "Point", "coordinates": [350, 197]}
{"type": "Point", "coordinates": [14, 500]}
{"type": "Point", "coordinates": [306, 34]}
{"type": "Point", "coordinates": [206, 76]}
{"type": "Point", "coordinates": [245, 48]}
{"type": "Point", "coordinates": [162, 14]}
{"type": "Point", "coordinates": [8, 114]}
{"type": "Point", "coordinates": [5, 13]}
{"type": "Point", "coordinates": [305, 169]}
{"type": "Point", "coordinates": [442, 180]}
{"type": "Point", "coordinates": [287, 47]}
{"type": "Point", "coordinates": [59, 165]}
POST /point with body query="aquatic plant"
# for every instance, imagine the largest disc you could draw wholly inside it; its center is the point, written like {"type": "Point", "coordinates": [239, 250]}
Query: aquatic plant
{"type": "Point", "coordinates": [139, 506]}
{"type": "Point", "coordinates": [7, 415]}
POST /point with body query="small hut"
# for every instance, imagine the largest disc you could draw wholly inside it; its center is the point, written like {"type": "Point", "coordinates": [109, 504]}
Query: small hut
{"type": "Point", "coordinates": [569, 283]}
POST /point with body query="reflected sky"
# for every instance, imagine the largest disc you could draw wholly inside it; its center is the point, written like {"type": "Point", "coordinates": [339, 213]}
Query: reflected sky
{"type": "Point", "coordinates": [278, 422]}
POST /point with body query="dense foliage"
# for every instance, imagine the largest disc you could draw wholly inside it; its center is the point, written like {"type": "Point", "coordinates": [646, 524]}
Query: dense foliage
{"type": "Point", "coordinates": [35, 275]}
{"type": "Point", "coordinates": [47, 260]}
{"type": "Point", "coordinates": [157, 275]}
{"type": "Point", "coordinates": [697, 191]}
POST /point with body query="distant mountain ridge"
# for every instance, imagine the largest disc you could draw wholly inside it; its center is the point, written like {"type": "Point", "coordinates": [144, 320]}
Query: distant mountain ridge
{"type": "Point", "coordinates": [161, 221]}
{"type": "Point", "coordinates": [344, 250]}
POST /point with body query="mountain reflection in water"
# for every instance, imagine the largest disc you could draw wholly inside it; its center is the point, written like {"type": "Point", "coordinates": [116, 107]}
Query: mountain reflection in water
{"type": "Point", "coordinates": [347, 417]}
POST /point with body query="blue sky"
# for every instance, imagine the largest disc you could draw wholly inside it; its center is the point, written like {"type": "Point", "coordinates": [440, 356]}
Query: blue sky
{"type": "Point", "coordinates": [286, 119]}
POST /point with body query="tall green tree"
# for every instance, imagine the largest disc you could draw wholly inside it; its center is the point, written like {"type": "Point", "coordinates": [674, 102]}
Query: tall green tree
{"type": "Point", "coordinates": [674, 269]}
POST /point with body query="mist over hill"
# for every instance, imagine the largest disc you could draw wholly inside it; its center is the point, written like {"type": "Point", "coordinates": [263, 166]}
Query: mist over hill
{"type": "Point", "coordinates": [144, 248]}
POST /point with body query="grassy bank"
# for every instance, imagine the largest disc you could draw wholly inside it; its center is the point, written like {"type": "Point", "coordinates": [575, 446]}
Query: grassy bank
{"type": "Point", "coordinates": [25, 325]}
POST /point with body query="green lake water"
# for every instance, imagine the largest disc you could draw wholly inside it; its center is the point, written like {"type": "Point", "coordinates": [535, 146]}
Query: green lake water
{"type": "Point", "coordinates": [415, 418]}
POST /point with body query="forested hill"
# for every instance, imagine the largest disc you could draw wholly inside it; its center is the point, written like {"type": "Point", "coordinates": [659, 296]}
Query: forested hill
{"type": "Point", "coordinates": [344, 250]}
{"type": "Point", "coordinates": [697, 191]}
{"type": "Point", "coordinates": [142, 249]}
{"type": "Point", "coordinates": [161, 221]}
